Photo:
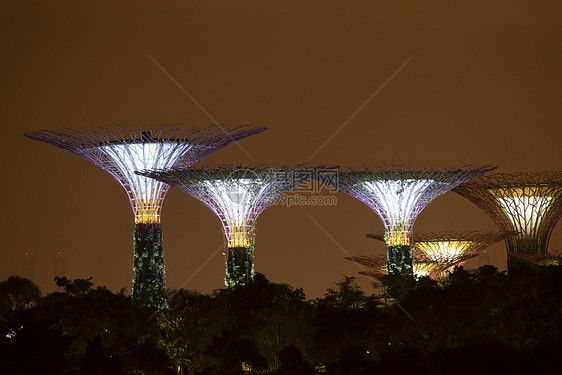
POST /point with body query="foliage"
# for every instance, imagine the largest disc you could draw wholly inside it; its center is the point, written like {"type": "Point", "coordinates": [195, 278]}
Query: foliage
{"type": "Point", "coordinates": [348, 296]}
{"type": "Point", "coordinates": [188, 328]}
{"type": "Point", "coordinates": [148, 263]}
{"type": "Point", "coordinates": [18, 293]}
{"type": "Point", "coordinates": [471, 322]}
{"type": "Point", "coordinates": [270, 315]}
{"type": "Point", "coordinates": [77, 287]}
{"type": "Point", "coordinates": [400, 260]}
{"type": "Point", "coordinates": [83, 332]}
{"type": "Point", "coordinates": [239, 265]}
{"type": "Point", "coordinates": [346, 316]}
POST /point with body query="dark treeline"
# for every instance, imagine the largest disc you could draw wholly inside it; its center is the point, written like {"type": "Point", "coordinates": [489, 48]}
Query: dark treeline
{"type": "Point", "coordinates": [484, 322]}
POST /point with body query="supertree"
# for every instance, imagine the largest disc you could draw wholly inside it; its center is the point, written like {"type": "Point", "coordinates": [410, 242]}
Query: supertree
{"type": "Point", "coordinates": [552, 258]}
{"type": "Point", "coordinates": [448, 249]}
{"type": "Point", "coordinates": [422, 266]}
{"type": "Point", "coordinates": [237, 195]}
{"type": "Point", "coordinates": [121, 150]}
{"type": "Point", "coordinates": [526, 203]}
{"type": "Point", "coordinates": [398, 194]}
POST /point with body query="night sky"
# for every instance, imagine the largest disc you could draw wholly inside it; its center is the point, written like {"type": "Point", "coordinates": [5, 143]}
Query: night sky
{"type": "Point", "coordinates": [440, 82]}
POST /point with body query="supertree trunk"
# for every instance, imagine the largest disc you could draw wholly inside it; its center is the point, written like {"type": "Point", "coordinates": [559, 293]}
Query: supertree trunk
{"type": "Point", "coordinates": [513, 260]}
{"type": "Point", "coordinates": [239, 265]}
{"type": "Point", "coordinates": [149, 283]}
{"type": "Point", "coordinates": [518, 250]}
{"type": "Point", "coordinates": [524, 246]}
{"type": "Point", "coordinates": [237, 195]}
{"type": "Point", "coordinates": [400, 260]}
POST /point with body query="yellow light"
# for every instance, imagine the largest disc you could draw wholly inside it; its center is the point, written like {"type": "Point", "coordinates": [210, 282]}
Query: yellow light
{"type": "Point", "coordinates": [549, 262]}
{"type": "Point", "coordinates": [397, 236]}
{"type": "Point", "coordinates": [147, 213]}
{"type": "Point", "coordinates": [422, 269]}
{"type": "Point", "coordinates": [517, 191]}
{"type": "Point", "coordinates": [239, 237]}
{"type": "Point", "coordinates": [445, 250]}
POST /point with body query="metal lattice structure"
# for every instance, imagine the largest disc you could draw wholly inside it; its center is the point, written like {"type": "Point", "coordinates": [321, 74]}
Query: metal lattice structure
{"type": "Point", "coordinates": [450, 249]}
{"type": "Point", "coordinates": [397, 195]}
{"type": "Point", "coordinates": [376, 264]}
{"type": "Point", "coordinates": [237, 195]}
{"type": "Point", "coordinates": [426, 268]}
{"type": "Point", "coordinates": [436, 253]}
{"type": "Point", "coordinates": [553, 258]}
{"type": "Point", "coordinates": [527, 203]}
{"type": "Point", "coordinates": [422, 266]}
{"type": "Point", "coordinates": [120, 151]}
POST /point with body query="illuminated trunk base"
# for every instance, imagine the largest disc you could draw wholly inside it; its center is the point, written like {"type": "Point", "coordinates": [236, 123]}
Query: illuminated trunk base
{"type": "Point", "coordinates": [239, 266]}
{"type": "Point", "coordinates": [150, 279]}
{"type": "Point", "coordinates": [400, 260]}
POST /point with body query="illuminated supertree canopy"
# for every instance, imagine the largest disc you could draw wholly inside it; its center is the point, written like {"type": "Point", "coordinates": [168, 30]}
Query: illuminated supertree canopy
{"type": "Point", "coordinates": [237, 195]}
{"type": "Point", "coordinates": [527, 203]}
{"type": "Point", "coordinates": [436, 253]}
{"type": "Point", "coordinates": [426, 268]}
{"type": "Point", "coordinates": [451, 248]}
{"type": "Point", "coordinates": [122, 150]}
{"type": "Point", "coordinates": [397, 195]}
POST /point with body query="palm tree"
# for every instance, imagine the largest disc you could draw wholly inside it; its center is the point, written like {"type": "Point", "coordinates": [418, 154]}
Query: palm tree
{"type": "Point", "coordinates": [21, 293]}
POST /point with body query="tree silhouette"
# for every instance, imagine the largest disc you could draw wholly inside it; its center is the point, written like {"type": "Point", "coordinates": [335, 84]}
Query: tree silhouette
{"type": "Point", "coordinates": [19, 293]}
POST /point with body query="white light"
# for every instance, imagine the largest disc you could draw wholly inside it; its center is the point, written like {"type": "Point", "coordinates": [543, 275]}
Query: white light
{"type": "Point", "coordinates": [237, 202]}
{"type": "Point", "coordinates": [396, 203]}
{"type": "Point", "coordinates": [121, 160]}
{"type": "Point", "coordinates": [525, 213]}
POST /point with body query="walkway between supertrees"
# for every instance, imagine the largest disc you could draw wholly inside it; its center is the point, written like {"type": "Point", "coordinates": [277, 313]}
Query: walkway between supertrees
{"type": "Point", "coordinates": [237, 195]}
{"type": "Point", "coordinates": [436, 254]}
{"type": "Point", "coordinates": [121, 150]}
{"type": "Point", "coordinates": [398, 194]}
{"type": "Point", "coordinates": [528, 203]}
